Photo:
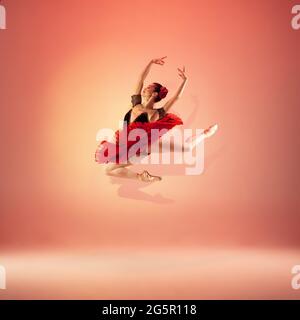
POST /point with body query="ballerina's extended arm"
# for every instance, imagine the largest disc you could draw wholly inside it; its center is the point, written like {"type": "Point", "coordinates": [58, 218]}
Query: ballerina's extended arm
{"type": "Point", "coordinates": [140, 83]}
{"type": "Point", "coordinates": [179, 92]}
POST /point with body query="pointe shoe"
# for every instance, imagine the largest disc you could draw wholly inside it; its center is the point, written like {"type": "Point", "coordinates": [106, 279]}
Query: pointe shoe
{"type": "Point", "coordinates": [147, 177]}
{"type": "Point", "coordinates": [210, 131]}
{"type": "Point", "coordinates": [205, 134]}
{"type": "Point", "coordinates": [196, 139]}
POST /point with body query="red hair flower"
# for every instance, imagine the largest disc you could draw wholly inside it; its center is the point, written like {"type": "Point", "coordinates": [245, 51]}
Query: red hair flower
{"type": "Point", "coordinates": [162, 92]}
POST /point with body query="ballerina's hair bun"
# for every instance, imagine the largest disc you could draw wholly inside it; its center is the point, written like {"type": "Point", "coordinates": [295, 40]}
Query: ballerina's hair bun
{"type": "Point", "coordinates": [162, 92]}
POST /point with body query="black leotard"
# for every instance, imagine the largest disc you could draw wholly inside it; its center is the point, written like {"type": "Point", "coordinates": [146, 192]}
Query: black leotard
{"type": "Point", "coordinates": [143, 117]}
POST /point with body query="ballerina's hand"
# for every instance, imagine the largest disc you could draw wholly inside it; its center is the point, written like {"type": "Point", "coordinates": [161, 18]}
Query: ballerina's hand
{"type": "Point", "coordinates": [159, 60]}
{"type": "Point", "coordinates": [182, 73]}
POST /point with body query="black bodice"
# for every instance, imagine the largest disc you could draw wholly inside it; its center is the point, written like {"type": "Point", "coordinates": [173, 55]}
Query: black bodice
{"type": "Point", "coordinates": [143, 117]}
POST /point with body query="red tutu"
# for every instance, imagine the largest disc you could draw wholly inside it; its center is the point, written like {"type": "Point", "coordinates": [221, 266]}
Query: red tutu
{"type": "Point", "coordinates": [118, 152]}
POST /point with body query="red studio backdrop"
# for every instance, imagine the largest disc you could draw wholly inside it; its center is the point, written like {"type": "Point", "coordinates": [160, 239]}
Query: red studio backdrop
{"type": "Point", "coordinates": [69, 68]}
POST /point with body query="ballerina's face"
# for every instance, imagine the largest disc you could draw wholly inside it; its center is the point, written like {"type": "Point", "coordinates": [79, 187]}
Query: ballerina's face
{"type": "Point", "coordinates": [147, 91]}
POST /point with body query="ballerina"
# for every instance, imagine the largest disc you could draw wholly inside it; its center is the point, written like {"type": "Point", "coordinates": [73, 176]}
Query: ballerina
{"type": "Point", "coordinates": [144, 115]}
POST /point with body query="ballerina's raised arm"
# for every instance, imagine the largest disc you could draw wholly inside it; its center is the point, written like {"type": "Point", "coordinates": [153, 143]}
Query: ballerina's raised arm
{"type": "Point", "coordinates": [179, 91]}
{"type": "Point", "coordinates": [140, 83]}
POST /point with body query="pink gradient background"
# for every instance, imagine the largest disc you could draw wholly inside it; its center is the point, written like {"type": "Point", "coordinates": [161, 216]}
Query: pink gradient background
{"type": "Point", "coordinates": [68, 68]}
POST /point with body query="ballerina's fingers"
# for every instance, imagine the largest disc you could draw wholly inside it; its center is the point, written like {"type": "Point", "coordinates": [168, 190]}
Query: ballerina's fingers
{"type": "Point", "coordinates": [159, 61]}
{"type": "Point", "coordinates": [183, 69]}
{"type": "Point", "coordinates": [182, 73]}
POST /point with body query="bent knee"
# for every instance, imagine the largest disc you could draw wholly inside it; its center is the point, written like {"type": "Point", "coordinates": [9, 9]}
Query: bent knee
{"type": "Point", "coordinates": [109, 168]}
{"type": "Point", "coordinates": [113, 168]}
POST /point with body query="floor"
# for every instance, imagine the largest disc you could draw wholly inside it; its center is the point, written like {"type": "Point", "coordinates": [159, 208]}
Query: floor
{"type": "Point", "coordinates": [157, 273]}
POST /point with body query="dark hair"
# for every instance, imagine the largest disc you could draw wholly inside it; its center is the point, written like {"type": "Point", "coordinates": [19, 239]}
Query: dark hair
{"type": "Point", "coordinates": [161, 90]}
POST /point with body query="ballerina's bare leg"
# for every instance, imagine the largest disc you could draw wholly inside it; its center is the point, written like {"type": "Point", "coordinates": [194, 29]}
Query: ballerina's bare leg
{"type": "Point", "coordinates": [190, 143]}
{"type": "Point", "coordinates": [122, 171]}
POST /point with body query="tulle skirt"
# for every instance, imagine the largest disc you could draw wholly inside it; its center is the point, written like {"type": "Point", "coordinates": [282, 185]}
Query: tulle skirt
{"type": "Point", "coordinates": [122, 148]}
